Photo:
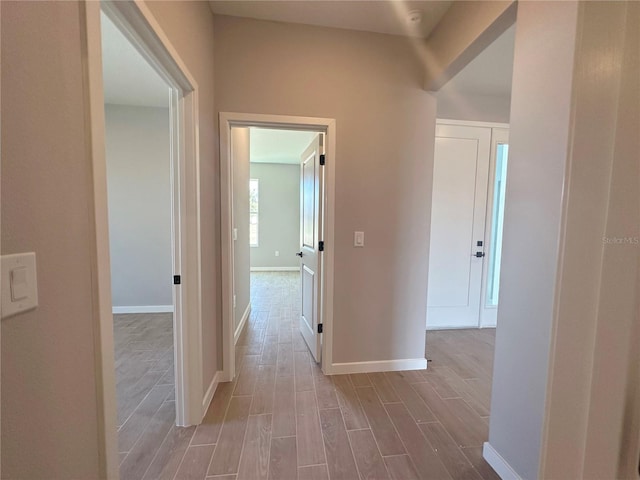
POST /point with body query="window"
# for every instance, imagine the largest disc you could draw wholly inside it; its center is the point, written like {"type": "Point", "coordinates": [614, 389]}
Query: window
{"type": "Point", "coordinates": [253, 212]}
{"type": "Point", "coordinates": [497, 221]}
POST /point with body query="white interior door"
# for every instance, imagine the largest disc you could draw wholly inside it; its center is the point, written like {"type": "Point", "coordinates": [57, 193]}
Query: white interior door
{"type": "Point", "coordinates": [310, 265]}
{"type": "Point", "coordinates": [460, 177]}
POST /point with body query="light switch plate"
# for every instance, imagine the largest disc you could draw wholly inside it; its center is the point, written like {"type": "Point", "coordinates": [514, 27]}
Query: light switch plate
{"type": "Point", "coordinates": [19, 283]}
{"type": "Point", "coordinates": [358, 239]}
{"type": "Point", "coordinates": [235, 234]}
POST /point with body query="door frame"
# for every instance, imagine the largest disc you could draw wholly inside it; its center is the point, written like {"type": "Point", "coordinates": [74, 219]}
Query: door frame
{"type": "Point", "coordinates": [471, 123]}
{"type": "Point", "coordinates": [137, 23]}
{"type": "Point", "coordinates": [446, 316]}
{"type": "Point", "coordinates": [323, 125]}
{"type": "Point", "coordinates": [488, 210]}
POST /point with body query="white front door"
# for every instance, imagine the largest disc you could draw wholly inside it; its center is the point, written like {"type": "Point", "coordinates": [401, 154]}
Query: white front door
{"type": "Point", "coordinates": [310, 266]}
{"type": "Point", "coordinates": [460, 178]}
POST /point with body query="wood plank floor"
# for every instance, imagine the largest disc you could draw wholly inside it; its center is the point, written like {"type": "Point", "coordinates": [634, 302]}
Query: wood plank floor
{"type": "Point", "coordinates": [283, 419]}
{"type": "Point", "coordinates": [143, 345]}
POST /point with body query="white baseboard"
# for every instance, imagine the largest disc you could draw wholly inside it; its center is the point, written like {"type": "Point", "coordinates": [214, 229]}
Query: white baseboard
{"type": "Point", "coordinates": [461, 327]}
{"type": "Point", "coordinates": [224, 375]}
{"type": "Point", "coordinates": [378, 366]}
{"type": "Point", "coordinates": [208, 396]}
{"type": "Point", "coordinates": [243, 321]}
{"type": "Point", "coordinates": [499, 464]}
{"type": "Point", "coordinates": [275, 269]}
{"type": "Point", "coordinates": [445, 326]}
{"type": "Point", "coordinates": [144, 309]}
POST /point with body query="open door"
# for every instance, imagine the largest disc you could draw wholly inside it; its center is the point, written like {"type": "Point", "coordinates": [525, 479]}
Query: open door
{"type": "Point", "coordinates": [310, 246]}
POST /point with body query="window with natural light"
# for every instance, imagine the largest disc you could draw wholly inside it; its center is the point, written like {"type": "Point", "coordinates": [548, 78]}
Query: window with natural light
{"type": "Point", "coordinates": [253, 212]}
{"type": "Point", "coordinates": [497, 221]}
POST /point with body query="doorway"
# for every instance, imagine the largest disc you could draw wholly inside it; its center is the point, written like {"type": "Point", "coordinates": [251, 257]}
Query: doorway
{"type": "Point", "coordinates": [141, 240]}
{"type": "Point", "coordinates": [469, 182]}
{"type": "Point", "coordinates": [258, 243]}
{"type": "Point", "coordinates": [470, 165]}
{"type": "Point", "coordinates": [275, 228]}
{"type": "Point", "coordinates": [137, 25]}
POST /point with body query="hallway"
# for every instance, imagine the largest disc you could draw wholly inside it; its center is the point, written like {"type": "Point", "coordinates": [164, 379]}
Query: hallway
{"type": "Point", "coordinates": [283, 419]}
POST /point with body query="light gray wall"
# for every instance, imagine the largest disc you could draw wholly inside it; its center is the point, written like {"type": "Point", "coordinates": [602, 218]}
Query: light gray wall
{"type": "Point", "coordinates": [49, 406]}
{"type": "Point", "coordinates": [563, 396]}
{"type": "Point", "coordinates": [454, 105]}
{"type": "Point", "coordinates": [385, 138]}
{"type": "Point", "coordinates": [279, 215]}
{"type": "Point", "coordinates": [49, 391]}
{"type": "Point", "coordinates": [596, 304]}
{"type": "Point", "coordinates": [189, 27]}
{"type": "Point", "coordinates": [538, 145]}
{"type": "Point", "coordinates": [241, 278]}
{"type": "Point", "coordinates": [465, 30]}
{"type": "Point", "coordinates": [139, 192]}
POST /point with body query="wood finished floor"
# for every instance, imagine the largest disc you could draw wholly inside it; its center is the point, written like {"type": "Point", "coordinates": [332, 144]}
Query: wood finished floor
{"type": "Point", "coordinates": [145, 382]}
{"type": "Point", "coordinates": [283, 419]}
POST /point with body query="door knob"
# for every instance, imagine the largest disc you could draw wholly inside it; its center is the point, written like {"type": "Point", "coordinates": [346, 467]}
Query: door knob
{"type": "Point", "coordinates": [479, 254]}
{"type": "Point", "coordinates": [299, 254]}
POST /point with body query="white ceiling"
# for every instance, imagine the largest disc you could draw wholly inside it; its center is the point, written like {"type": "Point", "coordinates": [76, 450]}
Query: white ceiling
{"type": "Point", "coordinates": [490, 72]}
{"type": "Point", "coordinates": [278, 146]}
{"type": "Point", "coordinates": [387, 16]}
{"type": "Point", "coordinates": [128, 78]}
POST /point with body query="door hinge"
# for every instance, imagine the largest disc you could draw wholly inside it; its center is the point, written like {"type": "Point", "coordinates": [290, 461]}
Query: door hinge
{"type": "Point", "coordinates": [177, 280]}
{"type": "Point", "coordinates": [323, 159]}
{"type": "Point", "coordinates": [319, 328]}
{"type": "Point", "coordinates": [321, 246]}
